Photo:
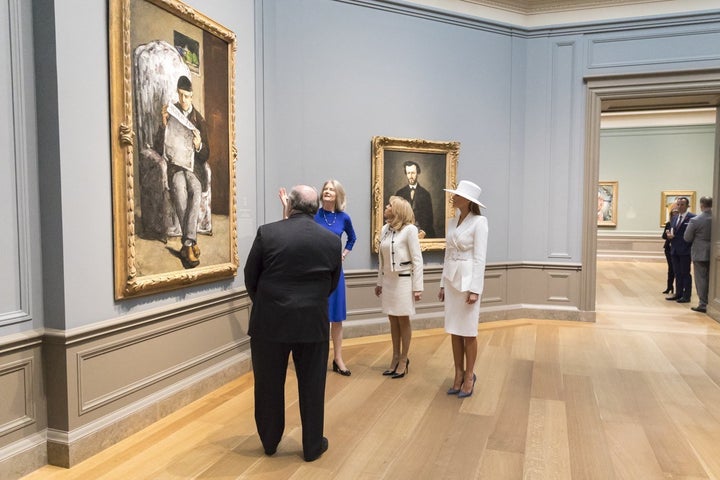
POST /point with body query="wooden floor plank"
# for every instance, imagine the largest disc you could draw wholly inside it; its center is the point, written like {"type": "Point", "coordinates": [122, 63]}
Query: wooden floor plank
{"type": "Point", "coordinates": [631, 454]}
{"type": "Point", "coordinates": [547, 450]}
{"type": "Point", "coordinates": [589, 456]}
{"type": "Point", "coordinates": [510, 430]}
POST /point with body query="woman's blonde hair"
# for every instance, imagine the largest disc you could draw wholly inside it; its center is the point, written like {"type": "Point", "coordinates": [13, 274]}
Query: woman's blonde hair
{"type": "Point", "coordinates": [402, 213]}
{"type": "Point", "coordinates": [340, 202]}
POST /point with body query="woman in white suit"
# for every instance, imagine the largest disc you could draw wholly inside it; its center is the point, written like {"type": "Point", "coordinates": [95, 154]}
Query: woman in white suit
{"type": "Point", "coordinates": [400, 278]}
{"type": "Point", "coordinates": [462, 282]}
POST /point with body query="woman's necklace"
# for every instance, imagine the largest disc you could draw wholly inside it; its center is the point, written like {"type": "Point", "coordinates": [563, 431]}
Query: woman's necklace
{"type": "Point", "coordinates": [326, 220]}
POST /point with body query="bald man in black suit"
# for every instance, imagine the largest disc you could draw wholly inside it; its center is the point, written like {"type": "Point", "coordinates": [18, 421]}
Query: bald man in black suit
{"type": "Point", "coordinates": [292, 268]}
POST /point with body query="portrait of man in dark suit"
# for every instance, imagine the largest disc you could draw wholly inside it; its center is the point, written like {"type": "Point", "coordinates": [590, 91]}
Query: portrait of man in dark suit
{"type": "Point", "coordinates": [419, 198]}
{"type": "Point", "coordinates": [419, 178]}
{"type": "Point", "coordinates": [418, 171]}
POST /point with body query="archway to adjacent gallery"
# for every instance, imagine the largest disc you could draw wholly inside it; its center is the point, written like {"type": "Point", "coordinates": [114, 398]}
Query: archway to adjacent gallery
{"type": "Point", "coordinates": [640, 92]}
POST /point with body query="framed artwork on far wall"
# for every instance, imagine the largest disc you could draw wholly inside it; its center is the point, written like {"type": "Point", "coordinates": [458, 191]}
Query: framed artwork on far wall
{"type": "Point", "coordinates": [607, 204]}
{"type": "Point", "coordinates": [668, 199]}
{"type": "Point", "coordinates": [172, 124]}
{"type": "Point", "coordinates": [399, 164]}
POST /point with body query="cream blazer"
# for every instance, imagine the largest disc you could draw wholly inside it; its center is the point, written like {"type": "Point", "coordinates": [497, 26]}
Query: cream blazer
{"type": "Point", "coordinates": [465, 254]}
{"type": "Point", "coordinates": [404, 257]}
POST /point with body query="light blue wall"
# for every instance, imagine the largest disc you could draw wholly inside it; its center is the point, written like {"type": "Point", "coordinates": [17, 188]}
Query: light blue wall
{"type": "Point", "coordinates": [315, 80]}
{"type": "Point", "coordinates": [337, 74]}
{"type": "Point", "coordinates": [647, 161]}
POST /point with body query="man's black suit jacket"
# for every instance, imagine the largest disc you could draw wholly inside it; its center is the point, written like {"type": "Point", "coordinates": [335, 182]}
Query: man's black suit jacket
{"type": "Point", "coordinates": [678, 245]}
{"type": "Point", "coordinates": [422, 207]}
{"type": "Point", "coordinates": [292, 268]}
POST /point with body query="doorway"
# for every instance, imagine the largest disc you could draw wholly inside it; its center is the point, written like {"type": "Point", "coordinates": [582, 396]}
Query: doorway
{"type": "Point", "coordinates": [640, 92]}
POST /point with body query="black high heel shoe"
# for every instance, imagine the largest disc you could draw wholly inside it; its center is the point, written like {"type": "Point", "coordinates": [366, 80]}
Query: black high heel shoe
{"type": "Point", "coordinates": [668, 290]}
{"type": "Point", "coordinates": [344, 373]}
{"type": "Point", "coordinates": [391, 372]}
{"type": "Point", "coordinates": [401, 375]}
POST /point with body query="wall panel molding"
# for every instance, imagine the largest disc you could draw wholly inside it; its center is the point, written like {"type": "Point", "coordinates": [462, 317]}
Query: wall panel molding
{"type": "Point", "coordinates": [14, 83]}
{"type": "Point", "coordinates": [512, 290]}
{"type": "Point", "coordinates": [630, 247]}
{"type": "Point", "coordinates": [560, 152]}
{"type": "Point", "coordinates": [654, 49]}
{"type": "Point", "coordinates": [17, 412]}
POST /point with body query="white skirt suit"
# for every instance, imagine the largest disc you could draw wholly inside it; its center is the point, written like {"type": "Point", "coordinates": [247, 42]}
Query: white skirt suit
{"type": "Point", "coordinates": [463, 272]}
{"type": "Point", "coordinates": [400, 269]}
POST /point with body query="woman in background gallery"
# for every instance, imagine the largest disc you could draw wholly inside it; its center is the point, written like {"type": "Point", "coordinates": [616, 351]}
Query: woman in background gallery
{"type": "Point", "coordinates": [666, 247]}
{"type": "Point", "coordinates": [332, 216]}
{"type": "Point", "coordinates": [462, 282]}
{"type": "Point", "coordinates": [400, 278]}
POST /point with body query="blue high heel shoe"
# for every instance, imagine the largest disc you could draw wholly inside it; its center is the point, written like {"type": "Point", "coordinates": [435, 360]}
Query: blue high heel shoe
{"type": "Point", "coordinates": [465, 395]}
{"type": "Point", "coordinates": [455, 391]}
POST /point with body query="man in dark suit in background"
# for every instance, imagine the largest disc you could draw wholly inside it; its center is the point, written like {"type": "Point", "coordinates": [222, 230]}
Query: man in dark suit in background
{"type": "Point", "coordinates": [419, 199]}
{"type": "Point", "coordinates": [680, 252]}
{"type": "Point", "coordinates": [698, 233]}
{"type": "Point", "coordinates": [291, 269]}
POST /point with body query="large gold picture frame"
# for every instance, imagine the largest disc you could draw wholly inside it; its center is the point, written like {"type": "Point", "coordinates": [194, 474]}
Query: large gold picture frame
{"type": "Point", "coordinates": [159, 48]}
{"type": "Point", "coordinates": [434, 166]}
{"type": "Point", "coordinates": [668, 199]}
{"type": "Point", "coordinates": [607, 204]}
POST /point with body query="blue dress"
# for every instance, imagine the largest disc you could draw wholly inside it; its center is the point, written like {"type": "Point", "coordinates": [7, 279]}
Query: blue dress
{"type": "Point", "coordinates": [337, 222]}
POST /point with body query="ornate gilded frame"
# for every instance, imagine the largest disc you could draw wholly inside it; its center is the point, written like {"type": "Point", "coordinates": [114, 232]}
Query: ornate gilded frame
{"type": "Point", "coordinates": [668, 199]}
{"type": "Point", "coordinates": [439, 162]}
{"type": "Point", "coordinates": [607, 204]}
{"type": "Point", "coordinates": [130, 20]}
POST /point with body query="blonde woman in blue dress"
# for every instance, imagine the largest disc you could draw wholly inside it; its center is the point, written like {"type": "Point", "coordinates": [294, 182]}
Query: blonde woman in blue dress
{"type": "Point", "coordinates": [462, 282]}
{"type": "Point", "coordinates": [400, 278]}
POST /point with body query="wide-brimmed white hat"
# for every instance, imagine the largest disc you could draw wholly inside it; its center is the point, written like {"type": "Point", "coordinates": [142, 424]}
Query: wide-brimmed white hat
{"type": "Point", "coordinates": [467, 190]}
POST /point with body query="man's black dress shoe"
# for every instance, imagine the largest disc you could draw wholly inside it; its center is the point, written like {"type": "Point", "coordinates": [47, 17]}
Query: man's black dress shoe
{"type": "Point", "coordinates": [674, 297]}
{"type": "Point", "coordinates": [271, 451]}
{"type": "Point", "coordinates": [323, 449]}
{"type": "Point", "coordinates": [683, 300]}
{"type": "Point", "coordinates": [699, 309]}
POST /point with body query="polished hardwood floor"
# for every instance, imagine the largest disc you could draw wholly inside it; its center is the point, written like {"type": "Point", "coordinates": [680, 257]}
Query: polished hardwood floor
{"type": "Point", "coordinates": [635, 395]}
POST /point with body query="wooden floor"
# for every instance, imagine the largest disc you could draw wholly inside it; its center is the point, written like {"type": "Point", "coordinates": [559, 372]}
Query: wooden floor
{"type": "Point", "coordinates": [634, 396]}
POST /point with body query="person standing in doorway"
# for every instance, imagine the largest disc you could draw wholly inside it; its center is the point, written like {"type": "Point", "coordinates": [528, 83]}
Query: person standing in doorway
{"type": "Point", "coordinates": [698, 233]}
{"type": "Point", "coordinates": [680, 252]}
{"type": "Point", "coordinates": [670, 288]}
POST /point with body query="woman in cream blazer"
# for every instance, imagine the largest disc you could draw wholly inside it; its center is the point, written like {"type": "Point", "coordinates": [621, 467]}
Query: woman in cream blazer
{"type": "Point", "coordinates": [400, 278]}
{"type": "Point", "coordinates": [462, 282]}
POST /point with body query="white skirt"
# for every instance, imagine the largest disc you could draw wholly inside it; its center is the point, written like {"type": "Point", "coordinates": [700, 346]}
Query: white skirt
{"type": "Point", "coordinates": [461, 318]}
{"type": "Point", "coordinates": [397, 296]}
